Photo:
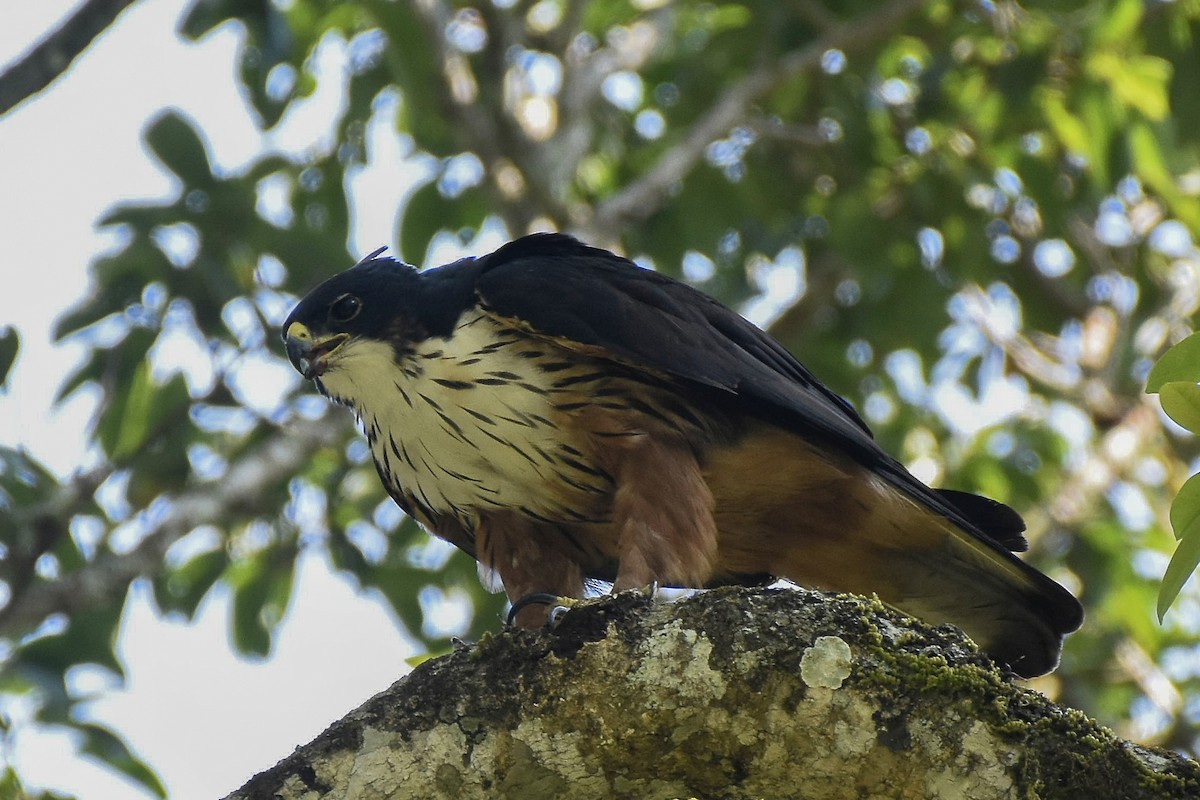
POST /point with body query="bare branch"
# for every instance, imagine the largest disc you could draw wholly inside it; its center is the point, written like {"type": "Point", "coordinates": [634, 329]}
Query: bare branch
{"type": "Point", "coordinates": [646, 195]}
{"type": "Point", "coordinates": [211, 503]}
{"type": "Point", "coordinates": [583, 77]}
{"type": "Point", "coordinates": [50, 58]}
{"type": "Point", "coordinates": [1032, 361]}
{"type": "Point", "coordinates": [481, 122]}
{"type": "Point", "coordinates": [773, 128]}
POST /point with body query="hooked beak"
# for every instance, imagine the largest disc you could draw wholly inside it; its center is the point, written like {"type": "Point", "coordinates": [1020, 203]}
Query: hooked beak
{"type": "Point", "coordinates": [308, 354]}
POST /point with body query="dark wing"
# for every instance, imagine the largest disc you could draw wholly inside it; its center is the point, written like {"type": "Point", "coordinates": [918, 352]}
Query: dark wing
{"type": "Point", "coordinates": [567, 290]}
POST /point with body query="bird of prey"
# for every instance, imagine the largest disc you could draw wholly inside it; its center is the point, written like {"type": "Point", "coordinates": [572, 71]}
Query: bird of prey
{"type": "Point", "coordinates": [565, 416]}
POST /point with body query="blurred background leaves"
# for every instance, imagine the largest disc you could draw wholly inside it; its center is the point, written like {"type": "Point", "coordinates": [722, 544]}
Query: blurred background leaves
{"type": "Point", "coordinates": [975, 220]}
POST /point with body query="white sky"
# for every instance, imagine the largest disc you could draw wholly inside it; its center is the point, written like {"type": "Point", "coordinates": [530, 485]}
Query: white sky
{"type": "Point", "coordinates": [203, 718]}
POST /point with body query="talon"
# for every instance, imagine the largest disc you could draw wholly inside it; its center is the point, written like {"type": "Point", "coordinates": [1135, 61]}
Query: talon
{"type": "Point", "coordinates": [535, 598]}
{"type": "Point", "coordinates": [555, 616]}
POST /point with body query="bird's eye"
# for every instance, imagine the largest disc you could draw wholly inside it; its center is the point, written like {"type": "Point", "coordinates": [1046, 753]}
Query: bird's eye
{"type": "Point", "coordinates": [345, 308]}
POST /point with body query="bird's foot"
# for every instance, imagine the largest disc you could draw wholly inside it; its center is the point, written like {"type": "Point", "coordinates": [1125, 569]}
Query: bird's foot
{"type": "Point", "coordinates": [527, 612]}
{"type": "Point", "coordinates": [556, 607]}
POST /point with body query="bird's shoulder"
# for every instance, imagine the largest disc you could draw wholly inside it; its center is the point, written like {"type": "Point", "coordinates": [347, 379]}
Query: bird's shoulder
{"type": "Point", "coordinates": [571, 291]}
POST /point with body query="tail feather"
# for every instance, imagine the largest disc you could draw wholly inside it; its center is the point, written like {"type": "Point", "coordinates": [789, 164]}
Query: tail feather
{"type": "Point", "coordinates": [926, 565]}
{"type": "Point", "coordinates": [1013, 612]}
{"type": "Point", "coordinates": [991, 516]}
{"type": "Point", "coordinates": [829, 523]}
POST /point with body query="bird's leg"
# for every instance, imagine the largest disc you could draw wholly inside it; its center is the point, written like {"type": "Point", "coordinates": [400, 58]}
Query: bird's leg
{"type": "Point", "coordinates": [529, 564]}
{"type": "Point", "coordinates": [663, 511]}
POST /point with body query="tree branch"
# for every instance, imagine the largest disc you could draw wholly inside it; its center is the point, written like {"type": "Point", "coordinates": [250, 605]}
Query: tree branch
{"type": "Point", "coordinates": [734, 693]}
{"type": "Point", "coordinates": [481, 117]}
{"type": "Point", "coordinates": [583, 77]}
{"type": "Point", "coordinates": [212, 503]}
{"type": "Point", "coordinates": [50, 58]}
{"type": "Point", "coordinates": [640, 199]}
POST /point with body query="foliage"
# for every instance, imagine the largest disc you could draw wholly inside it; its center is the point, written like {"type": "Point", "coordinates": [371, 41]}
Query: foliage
{"type": "Point", "coordinates": [974, 220]}
{"type": "Point", "coordinates": [1175, 379]}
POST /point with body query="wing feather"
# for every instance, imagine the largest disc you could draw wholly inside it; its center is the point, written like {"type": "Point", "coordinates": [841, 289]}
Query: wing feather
{"type": "Point", "coordinates": [642, 318]}
{"type": "Point", "coordinates": [593, 300]}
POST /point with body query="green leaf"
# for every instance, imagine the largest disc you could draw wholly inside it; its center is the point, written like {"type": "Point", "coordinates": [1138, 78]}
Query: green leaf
{"type": "Point", "coordinates": [1067, 127]}
{"type": "Point", "coordinates": [24, 479]}
{"type": "Point", "coordinates": [1185, 522]}
{"type": "Point", "coordinates": [125, 426]}
{"type": "Point", "coordinates": [1119, 22]}
{"type": "Point", "coordinates": [89, 638]}
{"type": "Point", "coordinates": [1185, 509]}
{"type": "Point", "coordinates": [1181, 402]}
{"type": "Point", "coordinates": [140, 410]}
{"type": "Point", "coordinates": [180, 149]}
{"type": "Point", "coordinates": [1144, 85]}
{"type": "Point", "coordinates": [203, 17]}
{"type": "Point", "coordinates": [182, 588]}
{"type": "Point", "coordinates": [418, 67]}
{"type": "Point", "coordinates": [10, 784]}
{"type": "Point", "coordinates": [262, 586]}
{"type": "Point", "coordinates": [1146, 146]}
{"type": "Point", "coordinates": [10, 341]}
{"type": "Point", "coordinates": [1180, 363]}
{"type": "Point", "coordinates": [103, 744]}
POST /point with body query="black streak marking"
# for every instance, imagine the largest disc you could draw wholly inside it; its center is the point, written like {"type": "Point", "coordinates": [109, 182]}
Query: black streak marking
{"type": "Point", "coordinates": [583, 487]}
{"type": "Point", "coordinates": [508, 444]}
{"type": "Point", "coordinates": [401, 454]}
{"type": "Point", "coordinates": [549, 459]}
{"type": "Point", "coordinates": [522, 419]}
{"type": "Point", "coordinates": [436, 406]}
{"type": "Point", "coordinates": [422, 499]}
{"type": "Point", "coordinates": [530, 513]}
{"type": "Point", "coordinates": [453, 428]}
{"type": "Point", "coordinates": [484, 418]}
{"type": "Point", "coordinates": [456, 385]}
{"type": "Point", "coordinates": [562, 383]}
{"type": "Point", "coordinates": [674, 406]}
{"type": "Point", "coordinates": [403, 393]}
{"type": "Point", "coordinates": [459, 475]}
{"type": "Point", "coordinates": [580, 466]}
{"type": "Point", "coordinates": [649, 410]}
{"type": "Point", "coordinates": [575, 515]}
